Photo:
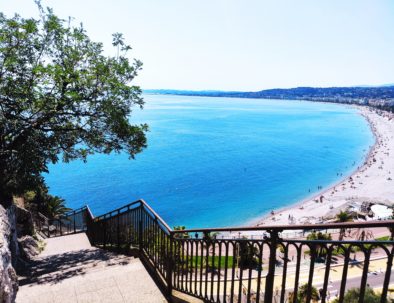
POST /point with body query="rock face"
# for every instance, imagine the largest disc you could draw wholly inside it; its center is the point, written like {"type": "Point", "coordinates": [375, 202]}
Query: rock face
{"type": "Point", "coordinates": [8, 277]}
{"type": "Point", "coordinates": [24, 221]}
{"type": "Point", "coordinates": [28, 247]}
{"type": "Point", "coordinates": [13, 236]}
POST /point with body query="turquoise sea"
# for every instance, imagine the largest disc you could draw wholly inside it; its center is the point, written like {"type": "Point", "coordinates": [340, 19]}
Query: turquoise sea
{"type": "Point", "coordinates": [221, 161]}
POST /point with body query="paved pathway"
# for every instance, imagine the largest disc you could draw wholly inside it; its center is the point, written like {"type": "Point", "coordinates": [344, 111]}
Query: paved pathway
{"type": "Point", "coordinates": [71, 270]}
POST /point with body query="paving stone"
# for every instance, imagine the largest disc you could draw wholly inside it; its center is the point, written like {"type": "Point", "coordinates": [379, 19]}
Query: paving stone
{"type": "Point", "coordinates": [110, 295]}
{"type": "Point", "coordinates": [85, 287]}
{"type": "Point", "coordinates": [64, 292]}
{"type": "Point", "coordinates": [88, 297]}
{"type": "Point", "coordinates": [104, 283]}
{"type": "Point", "coordinates": [65, 299]}
{"type": "Point", "coordinates": [46, 297]}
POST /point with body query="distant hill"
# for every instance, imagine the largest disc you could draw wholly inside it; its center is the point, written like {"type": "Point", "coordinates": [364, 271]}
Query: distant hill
{"type": "Point", "coordinates": [378, 96]}
{"type": "Point", "coordinates": [359, 92]}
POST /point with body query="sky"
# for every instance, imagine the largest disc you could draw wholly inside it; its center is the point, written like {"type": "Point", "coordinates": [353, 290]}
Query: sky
{"type": "Point", "coordinates": [241, 45]}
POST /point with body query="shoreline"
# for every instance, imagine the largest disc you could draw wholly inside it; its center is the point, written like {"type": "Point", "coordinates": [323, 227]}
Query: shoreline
{"type": "Point", "coordinates": [307, 209]}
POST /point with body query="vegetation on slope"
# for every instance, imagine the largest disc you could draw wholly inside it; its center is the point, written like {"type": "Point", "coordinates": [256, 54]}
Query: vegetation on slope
{"type": "Point", "coordinates": [61, 98]}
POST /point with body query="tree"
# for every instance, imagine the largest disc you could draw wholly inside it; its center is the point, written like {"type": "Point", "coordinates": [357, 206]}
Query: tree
{"type": "Point", "coordinates": [343, 217]}
{"type": "Point", "coordinates": [61, 98]}
{"type": "Point", "coordinates": [248, 254]}
{"type": "Point", "coordinates": [181, 235]}
{"type": "Point", "coordinates": [209, 244]}
{"type": "Point", "coordinates": [302, 294]}
{"type": "Point", "coordinates": [353, 296]}
{"type": "Point", "coordinates": [320, 248]}
{"type": "Point", "coordinates": [55, 207]}
{"type": "Point", "coordinates": [40, 200]}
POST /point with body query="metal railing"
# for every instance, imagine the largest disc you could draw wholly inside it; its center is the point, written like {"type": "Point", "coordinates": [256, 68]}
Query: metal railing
{"type": "Point", "coordinates": [135, 225]}
{"type": "Point", "coordinates": [271, 269]}
{"type": "Point", "coordinates": [269, 266]}
{"type": "Point", "coordinates": [70, 223]}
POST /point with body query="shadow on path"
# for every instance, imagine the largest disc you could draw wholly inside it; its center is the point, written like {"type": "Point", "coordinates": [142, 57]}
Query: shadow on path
{"type": "Point", "coordinates": [55, 268]}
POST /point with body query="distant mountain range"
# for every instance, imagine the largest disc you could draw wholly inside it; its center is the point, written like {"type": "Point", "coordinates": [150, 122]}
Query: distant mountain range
{"type": "Point", "coordinates": [378, 96]}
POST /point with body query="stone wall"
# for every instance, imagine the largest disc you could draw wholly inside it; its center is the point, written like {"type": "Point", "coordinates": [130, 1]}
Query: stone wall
{"type": "Point", "coordinates": [8, 243]}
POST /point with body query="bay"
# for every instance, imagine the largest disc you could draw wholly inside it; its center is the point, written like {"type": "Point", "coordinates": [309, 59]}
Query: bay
{"type": "Point", "coordinates": [214, 162]}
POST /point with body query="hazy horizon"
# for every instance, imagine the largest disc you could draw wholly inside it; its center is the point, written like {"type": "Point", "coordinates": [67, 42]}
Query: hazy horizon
{"type": "Point", "coordinates": [232, 45]}
{"type": "Point", "coordinates": [219, 90]}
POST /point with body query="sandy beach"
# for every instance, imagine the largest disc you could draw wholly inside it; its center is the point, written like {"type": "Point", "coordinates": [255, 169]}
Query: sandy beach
{"type": "Point", "coordinates": [372, 182]}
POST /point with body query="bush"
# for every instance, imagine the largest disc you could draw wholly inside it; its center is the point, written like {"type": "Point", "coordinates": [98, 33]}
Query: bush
{"type": "Point", "coordinates": [353, 295]}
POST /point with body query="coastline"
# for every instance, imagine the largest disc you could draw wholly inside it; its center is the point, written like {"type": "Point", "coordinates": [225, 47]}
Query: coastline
{"type": "Point", "coordinates": [322, 206]}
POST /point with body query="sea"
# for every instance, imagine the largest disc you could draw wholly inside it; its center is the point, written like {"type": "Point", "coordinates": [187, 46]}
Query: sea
{"type": "Point", "coordinates": [217, 162]}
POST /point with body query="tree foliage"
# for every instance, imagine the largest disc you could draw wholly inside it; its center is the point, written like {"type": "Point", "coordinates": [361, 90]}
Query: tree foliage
{"type": "Point", "coordinates": [302, 294]}
{"type": "Point", "coordinates": [353, 296]}
{"type": "Point", "coordinates": [248, 255]}
{"type": "Point", "coordinates": [55, 207]}
{"type": "Point", "coordinates": [181, 235]}
{"type": "Point", "coordinates": [40, 200]}
{"type": "Point", "coordinates": [318, 236]}
{"type": "Point", "coordinates": [320, 248]}
{"type": "Point", "coordinates": [343, 217]}
{"type": "Point", "coordinates": [61, 98]}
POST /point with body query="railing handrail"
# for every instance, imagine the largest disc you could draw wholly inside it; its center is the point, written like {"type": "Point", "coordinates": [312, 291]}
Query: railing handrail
{"type": "Point", "coordinates": [279, 228]}
{"type": "Point", "coordinates": [74, 211]}
{"type": "Point", "coordinates": [89, 212]}
{"type": "Point", "coordinates": [230, 229]}
{"type": "Point", "coordinates": [156, 216]}
{"type": "Point", "coordinates": [117, 210]}
{"type": "Point", "coordinates": [126, 207]}
{"type": "Point", "coordinates": [42, 216]}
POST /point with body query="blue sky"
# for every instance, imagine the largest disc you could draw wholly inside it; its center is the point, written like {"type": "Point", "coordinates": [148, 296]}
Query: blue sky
{"type": "Point", "coordinates": [242, 44]}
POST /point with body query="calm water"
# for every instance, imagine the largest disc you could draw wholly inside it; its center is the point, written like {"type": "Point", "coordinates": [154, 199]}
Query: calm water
{"type": "Point", "coordinates": [221, 161]}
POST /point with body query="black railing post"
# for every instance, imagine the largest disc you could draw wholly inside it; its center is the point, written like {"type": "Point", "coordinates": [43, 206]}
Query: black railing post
{"type": "Point", "coordinates": [269, 280]}
{"type": "Point", "coordinates": [140, 242]}
{"type": "Point", "coordinates": [170, 266]}
{"type": "Point", "coordinates": [105, 232]}
{"type": "Point", "coordinates": [85, 224]}
{"type": "Point", "coordinates": [344, 273]}
{"type": "Point", "coordinates": [46, 222]}
{"type": "Point", "coordinates": [364, 277]}
{"type": "Point", "coordinates": [387, 277]}
{"type": "Point", "coordinates": [75, 230]}
{"type": "Point", "coordinates": [327, 273]}
{"type": "Point", "coordinates": [118, 230]}
{"type": "Point", "coordinates": [313, 253]}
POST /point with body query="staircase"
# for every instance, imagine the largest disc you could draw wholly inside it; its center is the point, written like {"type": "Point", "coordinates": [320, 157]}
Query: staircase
{"type": "Point", "coordinates": [194, 264]}
{"type": "Point", "coordinates": [71, 270]}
